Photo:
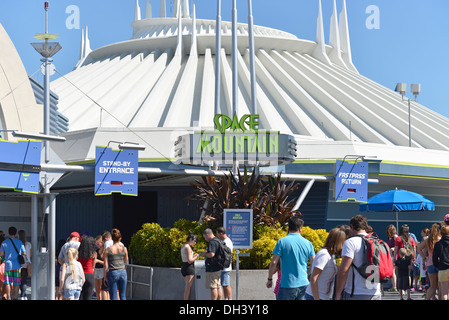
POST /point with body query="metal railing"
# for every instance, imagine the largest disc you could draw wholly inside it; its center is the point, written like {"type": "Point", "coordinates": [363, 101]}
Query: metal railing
{"type": "Point", "coordinates": [131, 268]}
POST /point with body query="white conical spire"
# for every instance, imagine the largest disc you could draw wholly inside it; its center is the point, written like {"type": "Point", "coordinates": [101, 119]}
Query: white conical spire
{"type": "Point", "coordinates": [162, 12]}
{"type": "Point", "coordinates": [334, 40]}
{"type": "Point", "coordinates": [194, 49]}
{"type": "Point", "coordinates": [320, 50]}
{"type": "Point", "coordinates": [148, 10]}
{"type": "Point", "coordinates": [179, 47]}
{"type": "Point", "coordinates": [185, 9]}
{"type": "Point", "coordinates": [84, 48]}
{"type": "Point", "coordinates": [82, 45]}
{"type": "Point", "coordinates": [87, 48]}
{"type": "Point", "coordinates": [176, 9]}
{"type": "Point", "coordinates": [137, 15]}
{"type": "Point", "coordinates": [344, 38]}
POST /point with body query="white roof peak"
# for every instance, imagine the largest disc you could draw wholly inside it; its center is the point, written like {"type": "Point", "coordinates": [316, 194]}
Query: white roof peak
{"type": "Point", "coordinates": [84, 47]}
{"type": "Point", "coordinates": [344, 38]}
{"type": "Point", "coordinates": [334, 40]}
{"type": "Point", "coordinates": [320, 50]}
{"type": "Point", "coordinates": [137, 14]}
{"type": "Point", "coordinates": [180, 7]}
{"type": "Point", "coordinates": [148, 10]}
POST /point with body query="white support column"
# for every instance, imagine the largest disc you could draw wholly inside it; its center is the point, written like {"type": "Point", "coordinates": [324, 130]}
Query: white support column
{"type": "Point", "coordinates": [320, 50]}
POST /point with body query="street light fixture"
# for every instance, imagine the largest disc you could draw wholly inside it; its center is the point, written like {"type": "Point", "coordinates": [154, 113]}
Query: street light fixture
{"type": "Point", "coordinates": [415, 89]}
{"type": "Point", "coordinates": [37, 136]}
{"type": "Point", "coordinates": [47, 50]}
{"type": "Point", "coordinates": [131, 146]}
{"type": "Point", "coordinates": [128, 145]}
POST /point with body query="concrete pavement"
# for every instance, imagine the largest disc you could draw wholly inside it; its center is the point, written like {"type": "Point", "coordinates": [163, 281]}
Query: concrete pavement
{"type": "Point", "coordinates": [414, 295]}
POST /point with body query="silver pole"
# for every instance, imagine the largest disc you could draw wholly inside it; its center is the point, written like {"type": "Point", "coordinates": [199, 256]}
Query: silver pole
{"type": "Point", "coordinates": [409, 124]}
{"type": "Point", "coordinates": [47, 62]}
{"type": "Point", "coordinates": [218, 58]}
{"type": "Point", "coordinates": [304, 194]}
{"type": "Point", "coordinates": [252, 56]}
{"type": "Point", "coordinates": [52, 247]}
{"type": "Point", "coordinates": [234, 58]}
{"type": "Point", "coordinates": [49, 199]}
{"type": "Point", "coordinates": [237, 269]}
{"type": "Point", "coordinates": [34, 245]}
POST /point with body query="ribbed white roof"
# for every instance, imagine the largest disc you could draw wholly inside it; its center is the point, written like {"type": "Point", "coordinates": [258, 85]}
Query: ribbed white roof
{"type": "Point", "coordinates": [165, 78]}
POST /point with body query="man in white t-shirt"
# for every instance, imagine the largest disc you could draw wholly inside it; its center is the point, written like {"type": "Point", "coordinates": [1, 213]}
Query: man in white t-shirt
{"type": "Point", "coordinates": [225, 273]}
{"type": "Point", "coordinates": [73, 242]}
{"type": "Point", "coordinates": [347, 275]}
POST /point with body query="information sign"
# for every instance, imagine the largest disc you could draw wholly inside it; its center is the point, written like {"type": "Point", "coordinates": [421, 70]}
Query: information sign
{"type": "Point", "coordinates": [116, 171]}
{"type": "Point", "coordinates": [238, 224]}
{"type": "Point", "coordinates": [351, 181]}
{"type": "Point", "coordinates": [20, 165]}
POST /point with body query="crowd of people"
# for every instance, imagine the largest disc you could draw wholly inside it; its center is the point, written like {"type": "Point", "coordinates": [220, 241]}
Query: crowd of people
{"type": "Point", "coordinates": [218, 279]}
{"type": "Point", "coordinates": [15, 267]}
{"type": "Point", "coordinates": [86, 265]}
{"type": "Point", "coordinates": [422, 265]}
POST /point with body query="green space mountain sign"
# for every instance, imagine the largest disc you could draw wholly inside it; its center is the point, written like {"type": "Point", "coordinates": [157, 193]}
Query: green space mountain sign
{"type": "Point", "coordinates": [235, 140]}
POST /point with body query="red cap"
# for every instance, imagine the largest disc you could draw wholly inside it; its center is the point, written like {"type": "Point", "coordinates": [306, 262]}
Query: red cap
{"type": "Point", "coordinates": [46, 5]}
{"type": "Point", "coordinates": [74, 234]}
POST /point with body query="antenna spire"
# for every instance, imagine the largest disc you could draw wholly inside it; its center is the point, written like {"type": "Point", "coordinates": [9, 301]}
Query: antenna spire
{"type": "Point", "coordinates": [148, 10]}
{"type": "Point", "coordinates": [137, 14]}
{"type": "Point", "coordinates": [334, 40]}
{"type": "Point", "coordinates": [320, 50]}
{"type": "Point", "coordinates": [162, 9]}
{"type": "Point", "coordinates": [344, 38]}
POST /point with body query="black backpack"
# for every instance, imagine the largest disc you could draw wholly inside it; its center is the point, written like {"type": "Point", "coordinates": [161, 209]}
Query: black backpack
{"type": "Point", "coordinates": [223, 256]}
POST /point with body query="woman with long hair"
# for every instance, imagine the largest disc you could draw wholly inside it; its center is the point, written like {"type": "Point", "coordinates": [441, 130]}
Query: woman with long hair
{"type": "Point", "coordinates": [324, 267]}
{"type": "Point", "coordinates": [426, 250]}
{"type": "Point", "coordinates": [404, 240]}
{"type": "Point", "coordinates": [391, 236]}
{"type": "Point", "coordinates": [100, 289]}
{"type": "Point", "coordinates": [440, 259]}
{"type": "Point", "coordinates": [187, 267]}
{"type": "Point", "coordinates": [72, 276]}
{"type": "Point", "coordinates": [115, 259]}
{"type": "Point", "coordinates": [86, 256]}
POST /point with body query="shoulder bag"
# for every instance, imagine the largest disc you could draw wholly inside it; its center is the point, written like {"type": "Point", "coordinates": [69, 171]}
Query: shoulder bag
{"type": "Point", "coordinates": [20, 257]}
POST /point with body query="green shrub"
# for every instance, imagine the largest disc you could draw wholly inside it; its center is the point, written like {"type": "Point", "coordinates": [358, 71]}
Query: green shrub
{"type": "Point", "coordinates": [160, 247]}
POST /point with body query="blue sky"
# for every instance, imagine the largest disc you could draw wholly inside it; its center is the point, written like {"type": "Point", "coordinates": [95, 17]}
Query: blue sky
{"type": "Point", "coordinates": [409, 43]}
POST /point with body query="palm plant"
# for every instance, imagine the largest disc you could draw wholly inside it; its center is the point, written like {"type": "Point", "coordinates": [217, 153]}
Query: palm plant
{"type": "Point", "coordinates": [270, 199]}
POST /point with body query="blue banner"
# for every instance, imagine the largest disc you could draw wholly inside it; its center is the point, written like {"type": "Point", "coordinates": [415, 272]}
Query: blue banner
{"type": "Point", "coordinates": [20, 165]}
{"type": "Point", "coordinates": [351, 181]}
{"type": "Point", "coordinates": [238, 224]}
{"type": "Point", "coordinates": [116, 171]}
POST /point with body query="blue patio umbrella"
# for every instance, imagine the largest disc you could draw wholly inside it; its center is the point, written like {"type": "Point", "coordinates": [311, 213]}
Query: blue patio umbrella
{"type": "Point", "coordinates": [397, 200]}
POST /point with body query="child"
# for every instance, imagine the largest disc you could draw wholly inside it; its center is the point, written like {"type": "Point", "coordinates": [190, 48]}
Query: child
{"type": "Point", "coordinates": [72, 276]}
{"type": "Point", "coordinates": [422, 272]}
{"type": "Point", "coordinates": [403, 263]}
{"type": "Point", "coordinates": [416, 274]}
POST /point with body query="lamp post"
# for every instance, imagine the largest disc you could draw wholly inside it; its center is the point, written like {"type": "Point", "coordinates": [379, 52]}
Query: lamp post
{"type": "Point", "coordinates": [235, 81]}
{"type": "Point", "coordinates": [415, 89]}
{"type": "Point", "coordinates": [47, 50]}
{"type": "Point", "coordinates": [252, 57]}
{"type": "Point", "coordinates": [218, 58]}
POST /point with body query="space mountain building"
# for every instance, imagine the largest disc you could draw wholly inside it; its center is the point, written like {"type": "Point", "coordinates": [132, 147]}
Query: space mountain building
{"type": "Point", "coordinates": [159, 87]}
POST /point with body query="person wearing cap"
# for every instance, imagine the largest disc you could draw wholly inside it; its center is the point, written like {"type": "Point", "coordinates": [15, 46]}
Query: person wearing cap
{"type": "Point", "coordinates": [446, 219]}
{"type": "Point", "coordinates": [72, 242]}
